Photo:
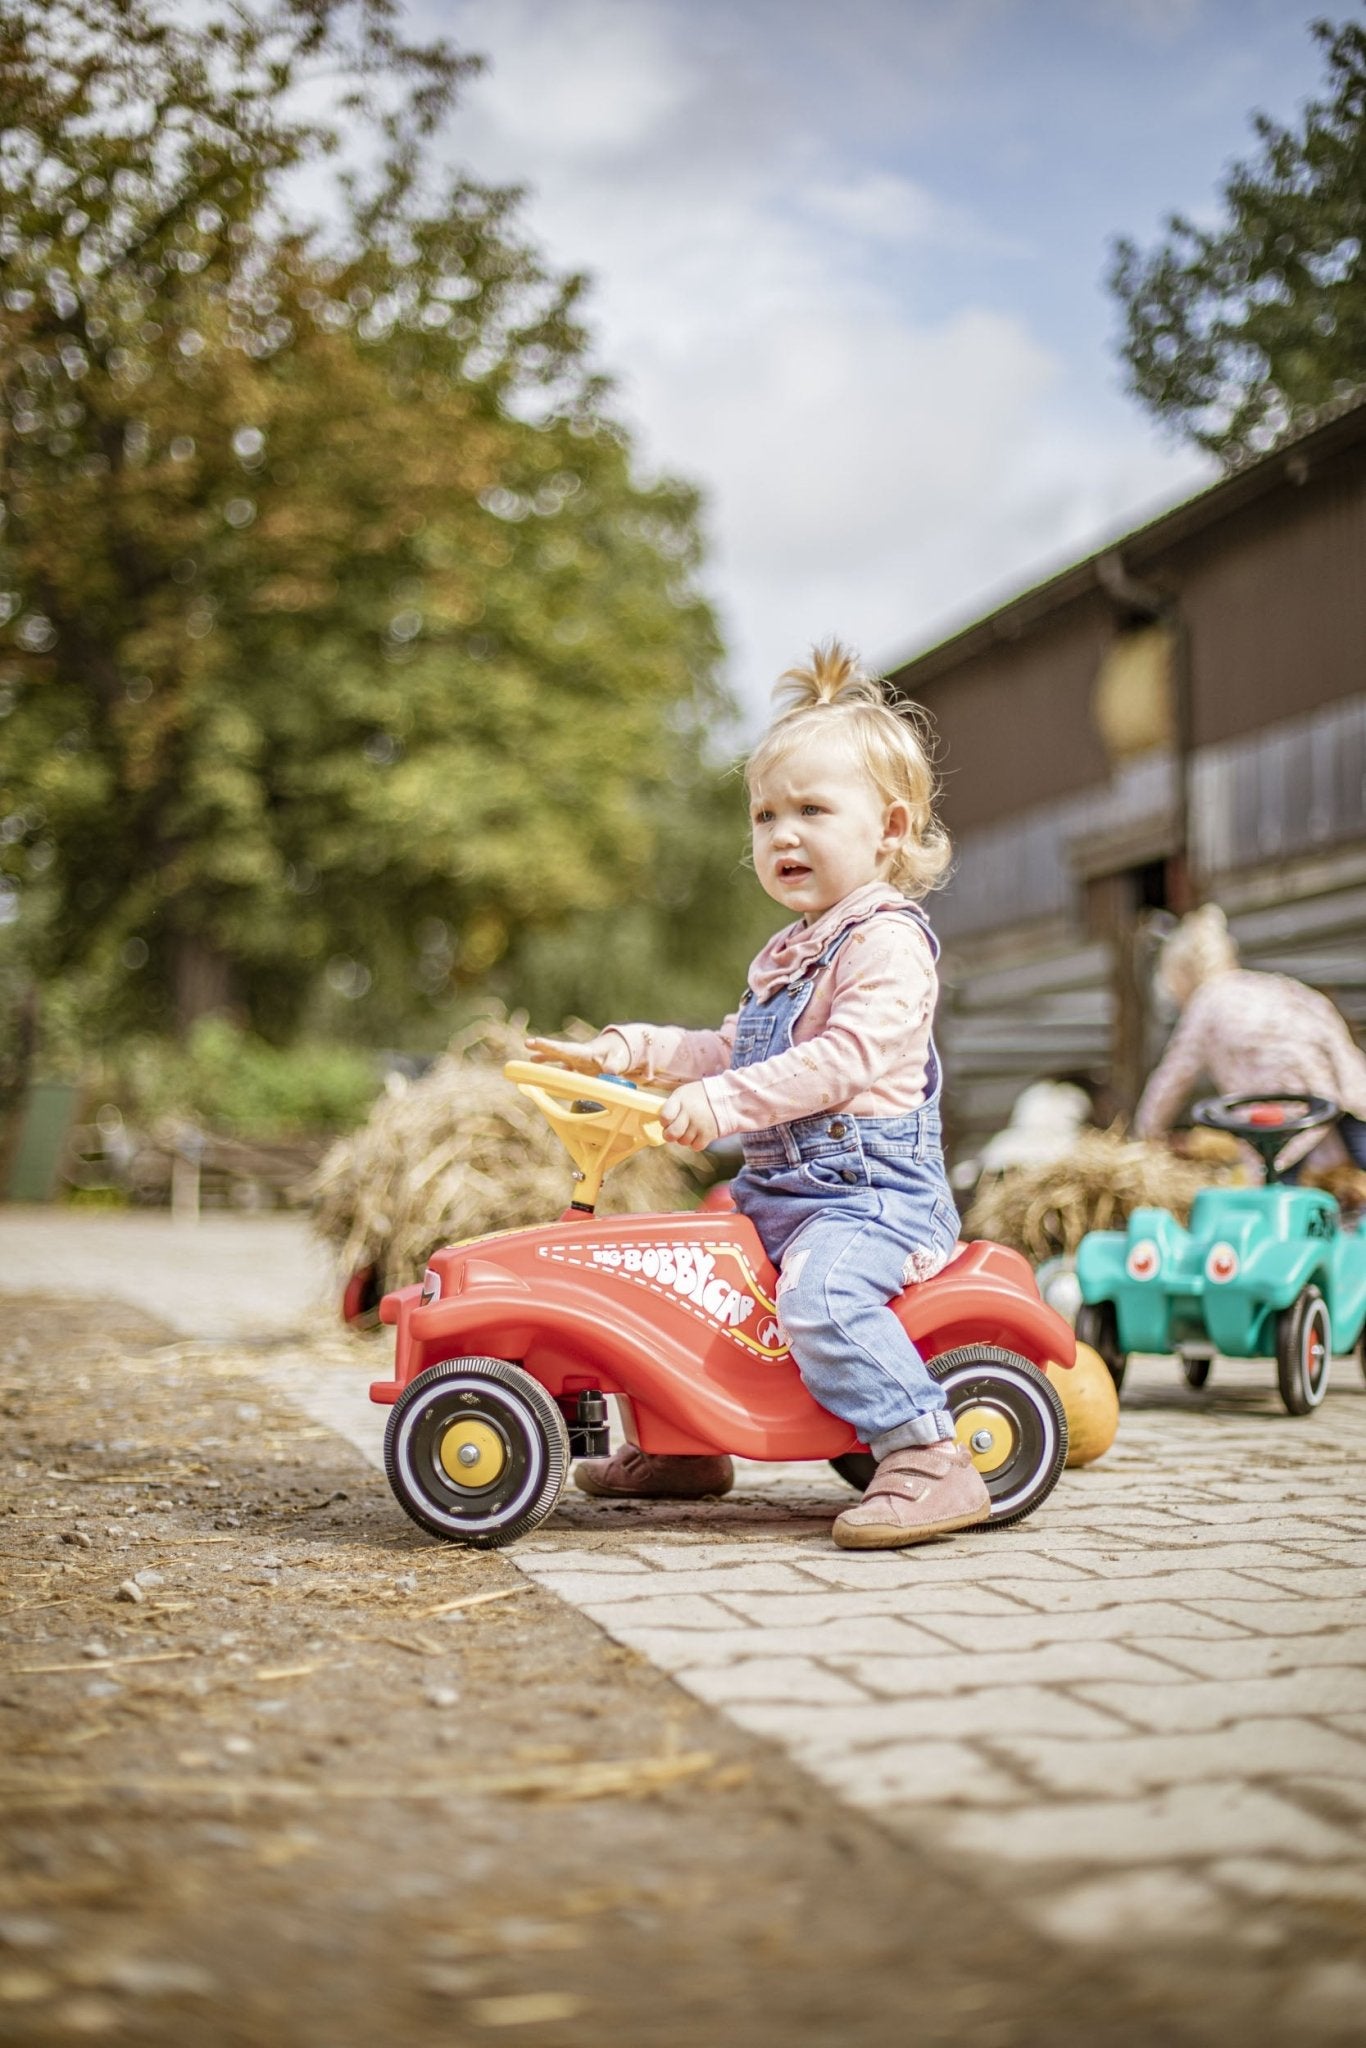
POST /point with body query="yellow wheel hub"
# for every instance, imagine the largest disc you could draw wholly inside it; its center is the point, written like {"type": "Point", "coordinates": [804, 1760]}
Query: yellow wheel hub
{"type": "Point", "coordinates": [987, 1434]}
{"type": "Point", "coordinates": [472, 1453]}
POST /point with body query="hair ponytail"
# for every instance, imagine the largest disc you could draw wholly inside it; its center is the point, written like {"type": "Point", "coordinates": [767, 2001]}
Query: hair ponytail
{"type": "Point", "coordinates": [834, 675]}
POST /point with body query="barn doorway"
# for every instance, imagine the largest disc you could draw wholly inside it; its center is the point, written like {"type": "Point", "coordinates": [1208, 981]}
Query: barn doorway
{"type": "Point", "coordinates": [1132, 909]}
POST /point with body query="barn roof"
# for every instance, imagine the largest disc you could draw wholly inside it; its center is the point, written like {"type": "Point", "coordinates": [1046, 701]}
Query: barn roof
{"type": "Point", "coordinates": [1287, 466]}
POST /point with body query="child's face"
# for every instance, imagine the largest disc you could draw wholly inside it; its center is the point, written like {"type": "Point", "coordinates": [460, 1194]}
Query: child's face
{"type": "Point", "coordinates": [821, 829]}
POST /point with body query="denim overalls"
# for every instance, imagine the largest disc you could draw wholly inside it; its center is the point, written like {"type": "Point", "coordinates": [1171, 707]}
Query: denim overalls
{"type": "Point", "coordinates": [839, 1202]}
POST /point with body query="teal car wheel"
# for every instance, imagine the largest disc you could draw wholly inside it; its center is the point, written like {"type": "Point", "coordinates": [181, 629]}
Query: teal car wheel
{"type": "Point", "coordinates": [1196, 1365]}
{"type": "Point", "coordinates": [1098, 1326]}
{"type": "Point", "coordinates": [1304, 1350]}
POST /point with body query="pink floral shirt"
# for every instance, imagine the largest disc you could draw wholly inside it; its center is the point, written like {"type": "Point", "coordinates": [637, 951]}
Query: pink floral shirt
{"type": "Point", "coordinates": [1251, 1031]}
{"type": "Point", "coordinates": [861, 1044]}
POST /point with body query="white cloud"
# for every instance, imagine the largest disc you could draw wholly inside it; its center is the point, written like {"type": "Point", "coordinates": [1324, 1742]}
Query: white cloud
{"type": "Point", "coordinates": [1162, 21]}
{"type": "Point", "coordinates": [882, 206]}
{"type": "Point", "coordinates": [875, 459]}
{"type": "Point", "coordinates": [591, 80]}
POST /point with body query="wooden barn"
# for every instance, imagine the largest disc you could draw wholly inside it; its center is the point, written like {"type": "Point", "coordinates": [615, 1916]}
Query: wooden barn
{"type": "Point", "coordinates": [1180, 717]}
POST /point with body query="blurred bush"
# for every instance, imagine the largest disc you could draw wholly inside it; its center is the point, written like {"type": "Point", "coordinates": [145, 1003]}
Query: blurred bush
{"type": "Point", "coordinates": [226, 1079]}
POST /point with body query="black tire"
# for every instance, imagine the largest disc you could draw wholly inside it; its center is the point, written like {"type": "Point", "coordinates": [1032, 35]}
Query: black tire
{"type": "Point", "coordinates": [1034, 1426]}
{"type": "Point", "coordinates": [1098, 1326]}
{"type": "Point", "coordinates": [1304, 1351]}
{"type": "Point", "coordinates": [857, 1467]}
{"type": "Point", "coordinates": [1022, 1406]}
{"type": "Point", "coordinates": [1197, 1369]}
{"type": "Point", "coordinates": [502, 1415]}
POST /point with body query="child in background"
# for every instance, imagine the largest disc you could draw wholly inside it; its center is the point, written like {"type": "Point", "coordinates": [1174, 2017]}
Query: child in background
{"type": "Point", "coordinates": [1252, 1032]}
{"type": "Point", "coordinates": [828, 1072]}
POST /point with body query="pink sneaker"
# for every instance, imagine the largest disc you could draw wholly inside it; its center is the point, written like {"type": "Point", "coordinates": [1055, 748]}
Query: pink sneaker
{"type": "Point", "coordinates": [922, 1490]}
{"type": "Point", "coordinates": [633, 1474]}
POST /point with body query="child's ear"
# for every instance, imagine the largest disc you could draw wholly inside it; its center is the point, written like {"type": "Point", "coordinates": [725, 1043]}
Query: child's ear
{"type": "Point", "coordinates": [896, 824]}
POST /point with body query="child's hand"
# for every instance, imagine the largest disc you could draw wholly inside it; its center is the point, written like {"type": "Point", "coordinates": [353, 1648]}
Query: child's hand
{"type": "Point", "coordinates": [688, 1119]}
{"type": "Point", "coordinates": [605, 1054]}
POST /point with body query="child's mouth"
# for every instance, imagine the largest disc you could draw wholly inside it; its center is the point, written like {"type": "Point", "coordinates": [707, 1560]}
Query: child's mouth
{"type": "Point", "coordinates": [792, 871]}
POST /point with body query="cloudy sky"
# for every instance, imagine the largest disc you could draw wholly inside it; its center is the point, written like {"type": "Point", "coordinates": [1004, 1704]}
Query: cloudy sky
{"type": "Point", "coordinates": [848, 260]}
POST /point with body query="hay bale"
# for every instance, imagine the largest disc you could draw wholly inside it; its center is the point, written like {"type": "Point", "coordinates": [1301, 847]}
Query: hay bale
{"type": "Point", "coordinates": [1214, 1148]}
{"type": "Point", "coordinates": [1346, 1184]}
{"type": "Point", "coordinates": [1046, 1211]}
{"type": "Point", "coordinates": [459, 1153]}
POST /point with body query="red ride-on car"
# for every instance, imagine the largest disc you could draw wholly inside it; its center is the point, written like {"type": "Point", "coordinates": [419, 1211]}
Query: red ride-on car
{"type": "Point", "coordinates": [510, 1345]}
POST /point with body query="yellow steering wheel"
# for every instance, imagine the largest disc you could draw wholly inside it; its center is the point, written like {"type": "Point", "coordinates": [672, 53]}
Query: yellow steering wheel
{"type": "Point", "coordinates": [598, 1120]}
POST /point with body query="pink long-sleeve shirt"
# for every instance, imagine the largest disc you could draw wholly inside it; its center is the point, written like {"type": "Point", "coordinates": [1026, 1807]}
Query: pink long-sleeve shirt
{"type": "Point", "coordinates": [861, 1043]}
{"type": "Point", "coordinates": [1251, 1032]}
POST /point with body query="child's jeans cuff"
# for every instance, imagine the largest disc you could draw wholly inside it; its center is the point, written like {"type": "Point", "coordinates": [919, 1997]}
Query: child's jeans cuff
{"type": "Point", "coordinates": [934, 1428]}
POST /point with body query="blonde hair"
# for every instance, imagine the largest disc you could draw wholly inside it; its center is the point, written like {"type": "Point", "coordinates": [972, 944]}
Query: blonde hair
{"type": "Point", "coordinates": [834, 696]}
{"type": "Point", "coordinates": [1199, 948]}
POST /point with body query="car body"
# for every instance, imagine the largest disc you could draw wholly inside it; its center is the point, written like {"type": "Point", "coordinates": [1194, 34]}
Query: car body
{"type": "Point", "coordinates": [676, 1316]}
{"type": "Point", "coordinates": [1226, 1282]}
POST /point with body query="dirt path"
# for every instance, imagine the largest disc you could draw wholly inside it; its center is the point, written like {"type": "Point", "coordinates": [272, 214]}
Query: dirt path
{"type": "Point", "coordinates": [314, 1780]}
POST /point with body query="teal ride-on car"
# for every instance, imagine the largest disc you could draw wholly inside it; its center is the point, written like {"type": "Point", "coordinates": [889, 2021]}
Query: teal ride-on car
{"type": "Point", "coordinates": [1261, 1272]}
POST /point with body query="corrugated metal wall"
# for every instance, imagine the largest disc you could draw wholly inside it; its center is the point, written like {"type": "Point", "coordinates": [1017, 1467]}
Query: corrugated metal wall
{"type": "Point", "coordinates": [1274, 600]}
{"type": "Point", "coordinates": [1279, 830]}
{"type": "Point", "coordinates": [1009, 1015]}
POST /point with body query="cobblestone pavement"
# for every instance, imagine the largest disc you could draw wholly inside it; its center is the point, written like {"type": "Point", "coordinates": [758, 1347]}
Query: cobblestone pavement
{"type": "Point", "coordinates": [1141, 1713]}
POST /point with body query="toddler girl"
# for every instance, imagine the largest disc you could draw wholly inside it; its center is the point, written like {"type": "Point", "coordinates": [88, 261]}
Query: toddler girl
{"type": "Point", "coordinates": [828, 1072]}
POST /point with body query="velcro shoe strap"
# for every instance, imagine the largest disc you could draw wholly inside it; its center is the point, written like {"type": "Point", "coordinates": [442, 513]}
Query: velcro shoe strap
{"type": "Point", "coordinates": [906, 1485]}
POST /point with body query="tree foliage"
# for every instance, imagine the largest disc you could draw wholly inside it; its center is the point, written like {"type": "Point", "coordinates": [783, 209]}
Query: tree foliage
{"type": "Point", "coordinates": [679, 949]}
{"type": "Point", "coordinates": [342, 647]}
{"type": "Point", "coordinates": [1238, 333]}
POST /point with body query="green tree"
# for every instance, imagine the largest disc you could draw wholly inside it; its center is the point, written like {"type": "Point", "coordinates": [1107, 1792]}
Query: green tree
{"type": "Point", "coordinates": [342, 645]}
{"type": "Point", "coordinates": [1238, 333]}
{"type": "Point", "coordinates": [679, 949]}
